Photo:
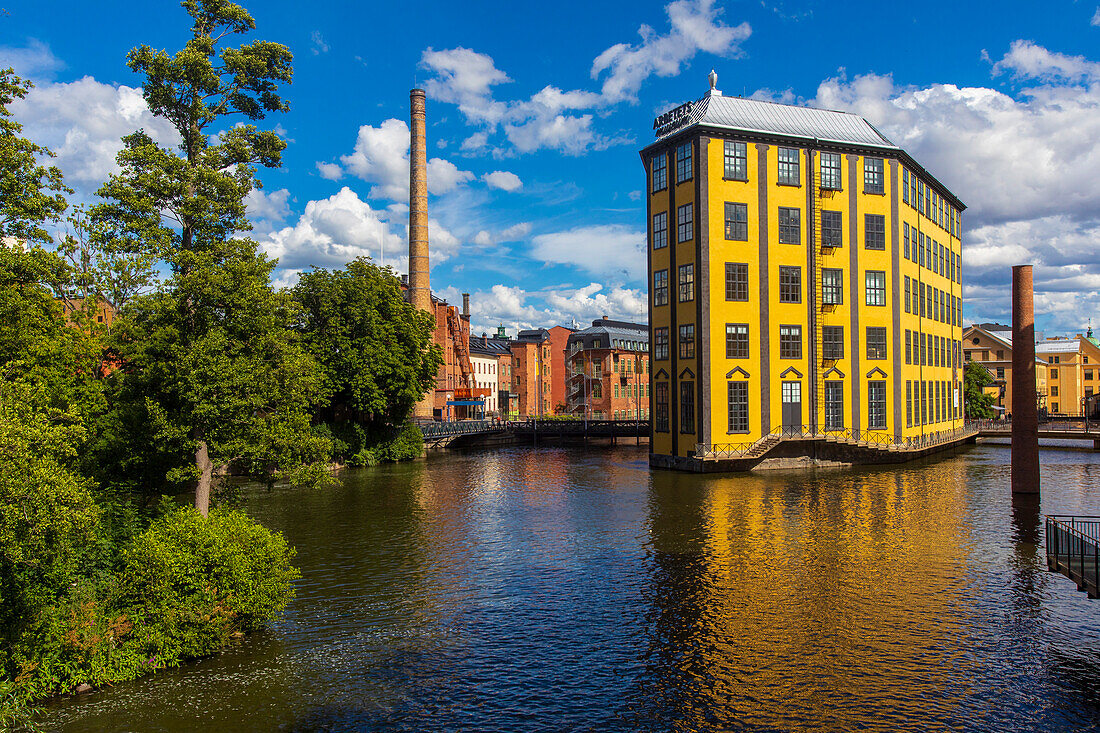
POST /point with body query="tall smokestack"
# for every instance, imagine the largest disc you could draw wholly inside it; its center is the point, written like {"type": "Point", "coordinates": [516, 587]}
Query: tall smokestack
{"type": "Point", "coordinates": [466, 304]}
{"type": "Point", "coordinates": [420, 290]}
{"type": "Point", "coordinates": [1025, 418]}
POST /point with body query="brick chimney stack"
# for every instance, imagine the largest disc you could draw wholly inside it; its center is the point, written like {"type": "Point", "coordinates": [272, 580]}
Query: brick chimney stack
{"type": "Point", "coordinates": [466, 305]}
{"type": "Point", "coordinates": [420, 290]}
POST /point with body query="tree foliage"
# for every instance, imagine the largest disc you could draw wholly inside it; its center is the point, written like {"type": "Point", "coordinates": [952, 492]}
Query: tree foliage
{"type": "Point", "coordinates": [979, 405]}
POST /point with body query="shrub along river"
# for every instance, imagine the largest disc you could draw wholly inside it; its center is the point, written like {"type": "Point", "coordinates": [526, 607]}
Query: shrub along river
{"type": "Point", "coordinates": [574, 589]}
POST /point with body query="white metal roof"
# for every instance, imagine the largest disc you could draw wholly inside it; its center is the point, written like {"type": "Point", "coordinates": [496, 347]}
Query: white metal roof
{"type": "Point", "coordinates": [753, 115]}
{"type": "Point", "coordinates": [1059, 346]}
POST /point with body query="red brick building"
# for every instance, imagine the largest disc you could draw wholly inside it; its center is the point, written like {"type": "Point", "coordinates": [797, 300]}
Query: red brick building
{"type": "Point", "coordinates": [607, 371]}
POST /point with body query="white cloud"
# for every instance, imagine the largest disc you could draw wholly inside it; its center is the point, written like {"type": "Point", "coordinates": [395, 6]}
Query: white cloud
{"type": "Point", "coordinates": [516, 231]}
{"type": "Point", "coordinates": [319, 45]}
{"type": "Point", "coordinates": [330, 233]}
{"type": "Point", "coordinates": [635, 195]}
{"type": "Point", "coordinates": [503, 180]}
{"type": "Point", "coordinates": [381, 157]}
{"type": "Point", "coordinates": [33, 61]}
{"type": "Point", "coordinates": [267, 210]}
{"type": "Point", "coordinates": [519, 309]}
{"type": "Point", "coordinates": [330, 171]}
{"type": "Point", "coordinates": [562, 120]}
{"type": "Point", "coordinates": [1027, 60]}
{"type": "Point", "coordinates": [612, 250]}
{"type": "Point", "coordinates": [1095, 17]}
{"type": "Point", "coordinates": [83, 122]}
{"type": "Point", "coordinates": [694, 27]}
{"type": "Point", "coordinates": [483, 238]}
{"type": "Point", "coordinates": [588, 303]}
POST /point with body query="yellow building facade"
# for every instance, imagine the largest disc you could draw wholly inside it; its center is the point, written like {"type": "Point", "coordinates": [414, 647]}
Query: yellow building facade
{"type": "Point", "coordinates": [804, 278]}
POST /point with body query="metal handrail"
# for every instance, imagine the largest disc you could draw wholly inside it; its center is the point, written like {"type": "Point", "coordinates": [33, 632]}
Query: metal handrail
{"type": "Point", "coordinates": [858, 437]}
{"type": "Point", "coordinates": [1073, 549]}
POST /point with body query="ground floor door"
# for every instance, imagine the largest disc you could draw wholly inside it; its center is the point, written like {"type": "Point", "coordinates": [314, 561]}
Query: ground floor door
{"type": "Point", "coordinates": [792, 407]}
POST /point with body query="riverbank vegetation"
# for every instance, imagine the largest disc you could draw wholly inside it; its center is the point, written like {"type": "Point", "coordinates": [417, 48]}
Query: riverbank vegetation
{"type": "Point", "coordinates": [145, 354]}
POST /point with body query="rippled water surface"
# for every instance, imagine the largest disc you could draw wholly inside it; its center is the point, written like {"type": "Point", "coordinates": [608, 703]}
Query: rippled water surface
{"type": "Point", "coordinates": [572, 589]}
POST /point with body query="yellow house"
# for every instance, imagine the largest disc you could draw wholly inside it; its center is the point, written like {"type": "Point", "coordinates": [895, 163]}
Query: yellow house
{"type": "Point", "coordinates": [990, 345]}
{"type": "Point", "coordinates": [805, 279]}
{"type": "Point", "coordinates": [1073, 372]}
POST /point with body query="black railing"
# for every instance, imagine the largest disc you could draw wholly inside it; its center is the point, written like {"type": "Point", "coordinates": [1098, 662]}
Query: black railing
{"type": "Point", "coordinates": [1073, 549]}
{"type": "Point", "coordinates": [458, 427]}
{"type": "Point", "coordinates": [864, 438]}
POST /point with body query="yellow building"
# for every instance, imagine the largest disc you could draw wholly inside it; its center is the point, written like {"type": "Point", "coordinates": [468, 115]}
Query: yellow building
{"type": "Point", "coordinates": [804, 279]}
{"type": "Point", "coordinates": [990, 345]}
{"type": "Point", "coordinates": [1073, 372]}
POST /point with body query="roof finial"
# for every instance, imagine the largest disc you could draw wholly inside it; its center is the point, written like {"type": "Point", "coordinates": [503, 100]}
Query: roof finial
{"type": "Point", "coordinates": [712, 77]}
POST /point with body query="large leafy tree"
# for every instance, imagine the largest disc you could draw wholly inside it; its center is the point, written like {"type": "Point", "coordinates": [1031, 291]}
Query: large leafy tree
{"type": "Point", "coordinates": [209, 365]}
{"type": "Point", "coordinates": [375, 348]}
{"type": "Point", "coordinates": [978, 404]}
{"type": "Point", "coordinates": [31, 194]}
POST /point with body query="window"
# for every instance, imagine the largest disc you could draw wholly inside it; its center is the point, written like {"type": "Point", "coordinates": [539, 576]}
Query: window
{"type": "Point", "coordinates": [876, 405]}
{"type": "Point", "coordinates": [737, 161]}
{"type": "Point", "coordinates": [876, 287]}
{"type": "Point", "coordinates": [908, 346]}
{"type": "Point", "coordinates": [660, 344]}
{"type": "Point", "coordinates": [1053, 373]}
{"type": "Point", "coordinates": [790, 342]}
{"type": "Point", "coordinates": [1001, 373]}
{"type": "Point", "coordinates": [832, 342]}
{"type": "Point", "coordinates": [830, 171]}
{"type": "Point", "coordinates": [687, 282]}
{"type": "Point", "coordinates": [923, 349]}
{"type": "Point", "coordinates": [832, 286]}
{"type": "Point", "coordinates": [1056, 360]}
{"type": "Point", "coordinates": [687, 407]}
{"type": "Point", "coordinates": [788, 167]}
{"type": "Point", "coordinates": [1054, 407]}
{"type": "Point", "coordinates": [737, 341]}
{"type": "Point", "coordinates": [737, 281]}
{"type": "Point", "coordinates": [1054, 391]}
{"type": "Point", "coordinates": [876, 342]}
{"type": "Point", "coordinates": [683, 163]}
{"type": "Point", "coordinates": [660, 287]}
{"type": "Point", "coordinates": [597, 389]}
{"type": "Point", "coordinates": [660, 173]}
{"type": "Point", "coordinates": [687, 341]}
{"type": "Point", "coordinates": [737, 395]}
{"type": "Point", "coordinates": [874, 231]}
{"type": "Point", "coordinates": [737, 222]}
{"type": "Point", "coordinates": [873, 179]}
{"type": "Point", "coordinates": [905, 240]}
{"type": "Point", "coordinates": [790, 230]}
{"type": "Point", "coordinates": [790, 284]}
{"type": "Point", "coordinates": [1088, 374]}
{"type": "Point", "coordinates": [660, 407]}
{"type": "Point", "coordinates": [834, 405]}
{"type": "Point", "coordinates": [909, 404]}
{"type": "Point", "coordinates": [905, 186]}
{"type": "Point", "coordinates": [684, 216]}
{"type": "Point", "coordinates": [832, 229]}
{"type": "Point", "coordinates": [908, 285]}
{"type": "Point", "coordinates": [660, 230]}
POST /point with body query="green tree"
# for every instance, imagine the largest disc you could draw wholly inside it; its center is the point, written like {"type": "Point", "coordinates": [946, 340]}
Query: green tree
{"type": "Point", "coordinates": [209, 363]}
{"type": "Point", "coordinates": [31, 194]}
{"type": "Point", "coordinates": [979, 405]}
{"type": "Point", "coordinates": [375, 349]}
{"type": "Point", "coordinates": [105, 263]}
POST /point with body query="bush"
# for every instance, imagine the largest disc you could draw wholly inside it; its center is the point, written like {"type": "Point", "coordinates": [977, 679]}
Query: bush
{"type": "Point", "coordinates": [193, 583]}
{"type": "Point", "coordinates": [359, 446]}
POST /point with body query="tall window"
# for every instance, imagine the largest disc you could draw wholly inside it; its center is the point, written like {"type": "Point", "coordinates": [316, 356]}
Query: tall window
{"type": "Point", "coordinates": [683, 163]}
{"type": "Point", "coordinates": [790, 225]}
{"type": "Point", "coordinates": [876, 405]}
{"type": "Point", "coordinates": [737, 281]}
{"type": "Point", "coordinates": [908, 404]}
{"type": "Point", "coordinates": [876, 342]}
{"type": "Point", "coordinates": [687, 341]}
{"type": "Point", "coordinates": [908, 289]}
{"type": "Point", "coordinates": [905, 185]}
{"type": "Point", "coordinates": [876, 287]}
{"type": "Point", "coordinates": [737, 394]}
{"type": "Point", "coordinates": [788, 167]}
{"type": "Point", "coordinates": [687, 407]}
{"type": "Point", "coordinates": [832, 229]}
{"type": "Point", "coordinates": [908, 346]}
{"type": "Point", "coordinates": [874, 231]}
{"type": "Point", "coordinates": [905, 240]}
{"type": "Point", "coordinates": [834, 405]}
{"type": "Point", "coordinates": [660, 343]}
{"type": "Point", "coordinates": [737, 341]}
{"type": "Point", "coordinates": [832, 342]}
{"type": "Point", "coordinates": [737, 222]}
{"type": "Point", "coordinates": [687, 282]}
{"type": "Point", "coordinates": [830, 171]}
{"type": "Point", "coordinates": [873, 179]}
{"type": "Point", "coordinates": [790, 284]}
{"type": "Point", "coordinates": [832, 286]}
{"type": "Point", "coordinates": [660, 230]}
{"type": "Point", "coordinates": [790, 342]}
{"type": "Point", "coordinates": [660, 172]}
{"type": "Point", "coordinates": [684, 221]}
{"type": "Point", "coordinates": [660, 287]}
{"type": "Point", "coordinates": [736, 161]}
{"type": "Point", "coordinates": [660, 407]}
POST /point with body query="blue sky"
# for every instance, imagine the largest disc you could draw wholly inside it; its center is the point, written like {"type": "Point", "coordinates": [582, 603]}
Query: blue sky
{"type": "Point", "coordinates": [536, 116]}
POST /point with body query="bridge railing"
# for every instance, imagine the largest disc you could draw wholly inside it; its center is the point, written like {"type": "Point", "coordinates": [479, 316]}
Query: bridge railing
{"type": "Point", "coordinates": [1061, 423]}
{"type": "Point", "coordinates": [1073, 549]}
{"type": "Point", "coordinates": [432, 430]}
{"type": "Point", "coordinates": [869, 438]}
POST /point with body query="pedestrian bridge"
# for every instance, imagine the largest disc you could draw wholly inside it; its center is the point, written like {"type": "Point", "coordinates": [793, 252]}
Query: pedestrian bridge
{"type": "Point", "coordinates": [474, 432]}
{"type": "Point", "coordinates": [1053, 428]}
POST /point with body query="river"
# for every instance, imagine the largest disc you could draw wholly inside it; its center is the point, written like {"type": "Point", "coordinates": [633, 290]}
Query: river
{"type": "Point", "coordinates": [566, 589]}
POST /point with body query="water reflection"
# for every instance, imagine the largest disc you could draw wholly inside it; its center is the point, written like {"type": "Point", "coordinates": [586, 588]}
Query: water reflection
{"type": "Point", "coordinates": [564, 589]}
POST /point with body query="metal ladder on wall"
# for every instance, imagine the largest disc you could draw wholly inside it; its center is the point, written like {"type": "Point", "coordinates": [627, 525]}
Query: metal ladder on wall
{"type": "Point", "coordinates": [461, 347]}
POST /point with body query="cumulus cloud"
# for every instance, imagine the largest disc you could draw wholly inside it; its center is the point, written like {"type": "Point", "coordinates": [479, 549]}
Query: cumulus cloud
{"type": "Point", "coordinates": [33, 61]}
{"type": "Point", "coordinates": [267, 210]}
{"type": "Point", "coordinates": [611, 250]}
{"type": "Point", "coordinates": [330, 171]}
{"type": "Point", "coordinates": [83, 122]}
{"type": "Point", "coordinates": [381, 157]}
{"type": "Point", "coordinates": [563, 120]}
{"type": "Point", "coordinates": [518, 308]}
{"type": "Point", "coordinates": [503, 180]}
{"type": "Point", "coordinates": [516, 231]}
